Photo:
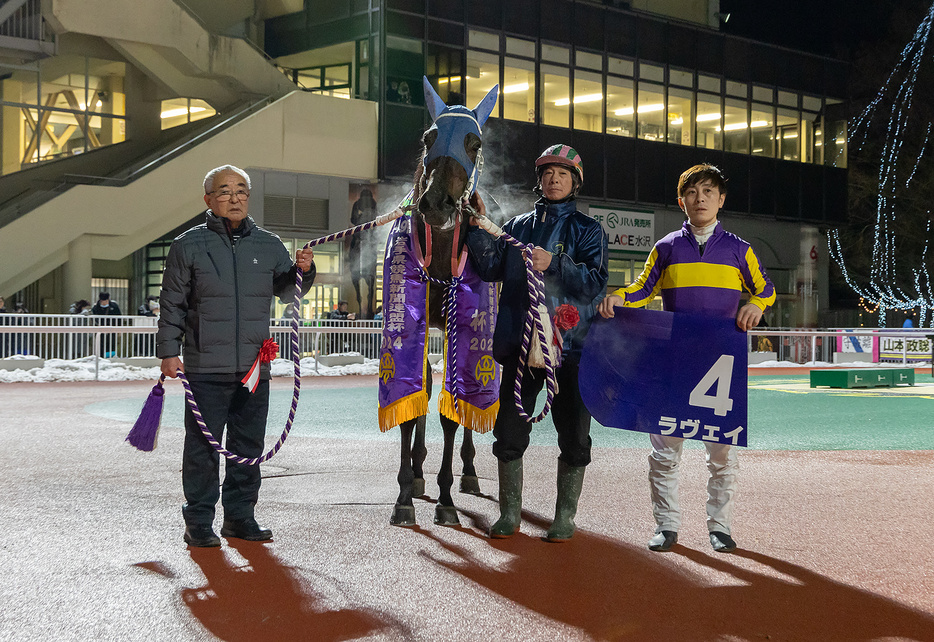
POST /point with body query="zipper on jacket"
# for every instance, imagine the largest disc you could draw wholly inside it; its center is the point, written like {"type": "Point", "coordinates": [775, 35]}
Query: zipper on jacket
{"type": "Point", "coordinates": [233, 249]}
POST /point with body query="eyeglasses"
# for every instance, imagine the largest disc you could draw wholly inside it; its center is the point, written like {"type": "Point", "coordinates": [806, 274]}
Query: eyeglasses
{"type": "Point", "coordinates": [225, 194]}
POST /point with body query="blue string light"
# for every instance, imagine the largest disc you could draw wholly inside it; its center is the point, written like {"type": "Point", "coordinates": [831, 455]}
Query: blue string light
{"type": "Point", "coordinates": [897, 95]}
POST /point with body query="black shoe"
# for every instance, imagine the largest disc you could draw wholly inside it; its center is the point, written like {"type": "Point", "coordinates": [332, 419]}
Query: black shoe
{"type": "Point", "coordinates": [663, 541]}
{"type": "Point", "coordinates": [201, 536]}
{"type": "Point", "coordinates": [246, 529]}
{"type": "Point", "coordinates": [721, 542]}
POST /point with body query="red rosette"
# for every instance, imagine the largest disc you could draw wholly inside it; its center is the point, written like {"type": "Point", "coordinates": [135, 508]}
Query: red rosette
{"type": "Point", "coordinates": [268, 351]}
{"type": "Point", "coordinates": [566, 317]}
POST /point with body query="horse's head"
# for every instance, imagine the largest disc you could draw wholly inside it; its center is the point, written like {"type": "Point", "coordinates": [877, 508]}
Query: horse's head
{"type": "Point", "coordinates": [451, 160]}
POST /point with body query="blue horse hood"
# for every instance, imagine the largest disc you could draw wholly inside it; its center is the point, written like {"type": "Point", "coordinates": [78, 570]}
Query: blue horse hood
{"type": "Point", "coordinates": [577, 275]}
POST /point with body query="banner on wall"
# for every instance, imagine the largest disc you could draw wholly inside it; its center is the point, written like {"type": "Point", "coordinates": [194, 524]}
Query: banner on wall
{"type": "Point", "coordinates": [630, 230]}
{"type": "Point", "coordinates": [914, 350]}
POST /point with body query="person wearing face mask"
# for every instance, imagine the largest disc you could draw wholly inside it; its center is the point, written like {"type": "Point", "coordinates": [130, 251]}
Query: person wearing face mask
{"type": "Point", "coordinates": [570, 251]}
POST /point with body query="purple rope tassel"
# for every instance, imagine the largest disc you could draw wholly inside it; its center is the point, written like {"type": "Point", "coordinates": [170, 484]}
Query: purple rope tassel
{"type": "Point", "coordinates": [146, 429]}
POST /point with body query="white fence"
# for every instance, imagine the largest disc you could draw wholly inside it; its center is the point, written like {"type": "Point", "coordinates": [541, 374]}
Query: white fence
{"type": "Point", "coordinates": [132, 339]}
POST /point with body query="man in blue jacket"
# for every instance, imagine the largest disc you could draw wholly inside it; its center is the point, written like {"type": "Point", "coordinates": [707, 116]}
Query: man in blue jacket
{"type": "Point", "coordinates": [570, 250]}
{"type": "Point", "coordinates": [217, 290]}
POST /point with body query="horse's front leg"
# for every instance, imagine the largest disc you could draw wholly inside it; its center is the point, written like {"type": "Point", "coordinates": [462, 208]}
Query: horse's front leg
{"type": "Point", "coordinates": [404, 512]}
{"type": "Point", "coordinates": [445, 513]}
{"type": "Point", "coordinates": [470, 484]}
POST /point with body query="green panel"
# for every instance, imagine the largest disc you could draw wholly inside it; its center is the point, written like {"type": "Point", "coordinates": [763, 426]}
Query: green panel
{"type": "Point", "coordinates": [863, 378]}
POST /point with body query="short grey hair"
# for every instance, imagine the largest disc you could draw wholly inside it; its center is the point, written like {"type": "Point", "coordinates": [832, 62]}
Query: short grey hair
{"type": "Point", "coordinates": [209, 177]}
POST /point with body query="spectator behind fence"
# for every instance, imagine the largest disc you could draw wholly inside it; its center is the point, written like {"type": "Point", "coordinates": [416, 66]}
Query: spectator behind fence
{"type": "Point", "coordinates": [81, 306]}
{"type": "Point", "coordinates": [2, 305]}
{"type": "Point", "coordinates": [106, 307]}
{"type": "Point", "coordinates": [341, 313]}
{"type": "Point", "coordinates": [149, 307]}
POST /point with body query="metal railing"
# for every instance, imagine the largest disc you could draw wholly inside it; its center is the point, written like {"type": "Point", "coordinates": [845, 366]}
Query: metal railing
{"type": "Point", "coordinates": [132, 339]}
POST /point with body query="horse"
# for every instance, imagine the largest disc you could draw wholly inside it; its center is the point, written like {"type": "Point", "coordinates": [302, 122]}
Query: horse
{"type": "Point", "coordinates": [444, 180]}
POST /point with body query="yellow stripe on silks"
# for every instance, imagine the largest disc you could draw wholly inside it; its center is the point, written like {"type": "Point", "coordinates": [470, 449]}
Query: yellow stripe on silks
{"type": "Point", "coordinates": [701, 275]}
{"type": "Point", "coordinates": [758, 284]}
{"type": "Point", "coordinates": [405, 409]}
{"type": "Point", "coordinates": [476, 419]}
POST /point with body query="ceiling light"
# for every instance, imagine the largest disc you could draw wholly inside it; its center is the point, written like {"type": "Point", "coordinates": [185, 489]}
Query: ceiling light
{"type": "Point", "coordinates": [171, 113]}
{"type": "Point", "coordinates": [585, 98]}
{"type": "Point", "coordinates": [705, 117]}
{"type": "Point", "coordinates": [511, 89]}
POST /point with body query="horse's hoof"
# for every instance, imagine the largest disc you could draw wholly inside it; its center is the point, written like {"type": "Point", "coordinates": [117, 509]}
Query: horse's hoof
{"type": "Point", "coordinates": [418, 487]}
{"type": "Point", "coordinates": [403, 516]}
{"type": "Point", "coordinates": [446, 516]}
{"type": "Point", "coordinates": [470, 485]}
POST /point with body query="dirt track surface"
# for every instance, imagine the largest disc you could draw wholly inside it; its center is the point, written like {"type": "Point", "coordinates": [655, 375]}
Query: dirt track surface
{"type": "Point", "coordinates": [835, 545]}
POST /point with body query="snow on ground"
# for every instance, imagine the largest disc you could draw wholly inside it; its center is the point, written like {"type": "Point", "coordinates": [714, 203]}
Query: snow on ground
{"type": "Point", "coordinates": [55, 370]}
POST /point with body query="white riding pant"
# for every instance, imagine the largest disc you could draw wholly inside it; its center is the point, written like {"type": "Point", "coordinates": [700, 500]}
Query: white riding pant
{"type": "Point", "coordinates": [664, 470]}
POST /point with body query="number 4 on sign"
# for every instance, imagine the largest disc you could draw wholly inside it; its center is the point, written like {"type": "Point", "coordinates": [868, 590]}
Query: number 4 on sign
{"type": "Point", "coordinates": [721, 375]}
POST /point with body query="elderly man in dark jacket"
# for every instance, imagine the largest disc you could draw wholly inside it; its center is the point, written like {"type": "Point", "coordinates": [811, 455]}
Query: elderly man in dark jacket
{"type": "Point", "coordinates": [217, 290]}
{"type": "Point", "coordinates": [570, 249]}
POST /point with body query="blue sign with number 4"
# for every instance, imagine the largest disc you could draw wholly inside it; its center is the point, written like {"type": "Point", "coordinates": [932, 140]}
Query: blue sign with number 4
{"type": "Point", "coordinates": [676, 374]}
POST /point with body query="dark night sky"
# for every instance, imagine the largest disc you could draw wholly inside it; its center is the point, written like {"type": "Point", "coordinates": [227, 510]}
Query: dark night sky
{"type": "Point", "coordinates": [836, 28]}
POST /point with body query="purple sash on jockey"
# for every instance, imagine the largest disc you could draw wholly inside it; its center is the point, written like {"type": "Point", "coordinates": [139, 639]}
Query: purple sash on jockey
{"type": "Point", "coordinates": [403, 369]}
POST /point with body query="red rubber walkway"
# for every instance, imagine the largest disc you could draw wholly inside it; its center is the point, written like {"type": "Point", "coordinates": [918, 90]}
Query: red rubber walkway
{"type": "Point", "coordinates": [835, 545]}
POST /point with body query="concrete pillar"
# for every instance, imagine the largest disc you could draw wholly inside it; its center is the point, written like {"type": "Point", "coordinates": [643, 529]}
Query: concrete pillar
{"type": "Point", "coordinates": [11, 128]}
{"type": "Point", "coordinates": [77, 271]}
{"type": "Point", "coordinates": [143, 101]}
{"type": "Point", "coordinates": [806, 278]}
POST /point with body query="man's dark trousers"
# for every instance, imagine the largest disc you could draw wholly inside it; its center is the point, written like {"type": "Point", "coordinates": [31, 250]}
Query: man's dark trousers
{"type": "Point", "coordinates": [244, 413]}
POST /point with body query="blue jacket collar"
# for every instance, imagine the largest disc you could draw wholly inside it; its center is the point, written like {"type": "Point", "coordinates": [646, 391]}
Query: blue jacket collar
{"type": "Point", "coordinates": [554, 210]}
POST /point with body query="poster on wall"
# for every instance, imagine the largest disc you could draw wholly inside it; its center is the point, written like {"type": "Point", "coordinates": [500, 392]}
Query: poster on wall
{"type": "Point", "coordinates": [630, 230]}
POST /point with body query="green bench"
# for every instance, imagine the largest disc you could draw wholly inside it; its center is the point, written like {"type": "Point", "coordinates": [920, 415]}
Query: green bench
{"type": "Point", "coordinates": [863, 378]}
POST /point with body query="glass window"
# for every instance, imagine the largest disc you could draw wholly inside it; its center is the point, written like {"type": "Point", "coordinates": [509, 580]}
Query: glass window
{"type": "Point", "coordinates": [681, 78]}
{"type": "Point", "coordinates": [786, 129]}
{"type": "Point", "coordinates": [709, 133]}
{"type": "Point", "coordinates": [482, 74]}
{"type": "Point", "coordinates": [763, 94]}
{"type": "Point", "coordinates": [105, 81]}
{"type": "Point", "coordinates": [818, 153]}
{"type": "Point", "coordinates": [651, 72]}
{"type": "Point", "coordinates": [810, 125]}
{"type": "Point", "coordinates": [708, 83]}
{"type": "Point", "coordinates": [519, 47]}
{"type": "Point", "coordinates": [680, 116]}
{"type": "Point", "coordinates": [444, 72]}
{"type": "Point", "coordinates": [178, 111]}
{"type": "Point", "coordinates": [588, 101]}
{"type": "Point", "coordinates": [483, 40]}
{"type": "Point", "coordinates": [555, 92]}
{"type": "Point", "coordinates": [588, 60]}
{"type": "Point", "coordinates": [735, 126]}
{"type": "Point", "coordinates": [651, 111]}
{"type": "Point", "coordinates": [619, 66]}
{"type": "Point", "coordinates": [811, 103]}
{"type": "Point", "coordinates": [738, 89]}
{"type": "Point", "coordinates": [788, 99]}
{"type": "Point", "coordinates": [553, 53]}
{"type": "Point", "coordinates": [519, 90]}
{"type": "Point", "coordinates": [835, 148]}
{"type": "Point", "coordinates": [620, 107]}
{"type": "Point", "coordinates": [760, 125]}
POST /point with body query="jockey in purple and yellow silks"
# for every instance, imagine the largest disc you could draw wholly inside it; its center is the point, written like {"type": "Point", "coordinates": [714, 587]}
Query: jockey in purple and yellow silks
{"type": "Point", "coordinates": [700, 269]}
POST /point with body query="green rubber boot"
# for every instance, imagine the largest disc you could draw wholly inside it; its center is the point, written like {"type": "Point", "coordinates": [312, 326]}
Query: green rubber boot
{"type": "Point", "coordinates": [570, 482]}
{"type": "Point", "coordinates": [510, 500]}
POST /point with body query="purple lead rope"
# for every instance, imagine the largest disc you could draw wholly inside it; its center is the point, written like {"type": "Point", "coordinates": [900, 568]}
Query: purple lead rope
{"type": "Point", "coordinates": [381, 220]}
{"type": "Point", "coordinates": [533, 318]}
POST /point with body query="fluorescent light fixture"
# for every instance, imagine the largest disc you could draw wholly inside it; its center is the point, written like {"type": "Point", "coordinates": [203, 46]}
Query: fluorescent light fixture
{"type": "Point", "coordinates": [701, 118]}
{"type": "Point", "coordinates": [643, 109]}
{"type": "Point", "coordinates": [790, 135]}
{"type": "Point", "coordinates": [171, 113]}
{"type": "Point", "coordinates": [586, 98]}
{"type": "Point", "coordinates": [677, 121]}
{"type": "Point", "coordinates": [512, 89]}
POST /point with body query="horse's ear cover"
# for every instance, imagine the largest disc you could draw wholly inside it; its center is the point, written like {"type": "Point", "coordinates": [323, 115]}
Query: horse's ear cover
{"type": "Point", "coordinates": [432, 100]}
{"type": "Point", "coordinates": [485, 107]}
